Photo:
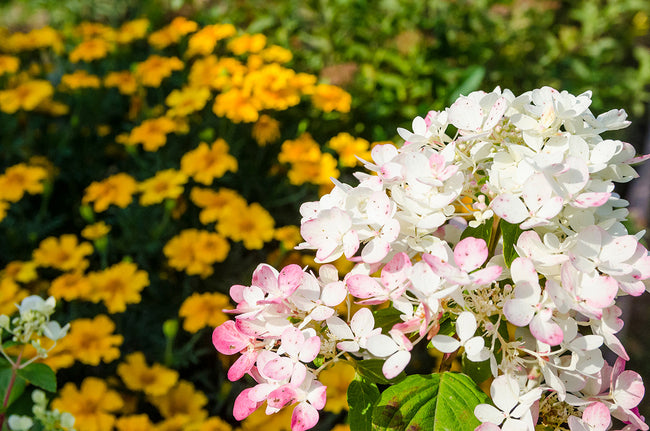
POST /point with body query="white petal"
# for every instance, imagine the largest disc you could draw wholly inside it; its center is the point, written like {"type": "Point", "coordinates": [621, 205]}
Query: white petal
{"type": "Point", "coordinates": [381, 345]}
{"type": "Point", "coordinates": [445, 343]}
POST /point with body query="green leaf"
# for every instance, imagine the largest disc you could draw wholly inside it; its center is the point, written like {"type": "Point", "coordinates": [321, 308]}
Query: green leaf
{"type": "Point", "coordinates": [370, 369]}
{"type": "Point", "coordinates": [362, 396]}
{"type": "Point", "coordinates": [477, 371]}
{"type": "Point", "coordinates": [387, 317]}
{"type": "Point", "coordinates": [436, 402]}
{"type": "Point", "coordinates": [471, 81]}
{"type": "Point", "coordinates": [510, 233]}
{"type": "Point", "coordinates": [39, 375]}
{"type": "Point", "coordinates": [16, 390]}
{"type": "Point", "coordinates": [482, 231]}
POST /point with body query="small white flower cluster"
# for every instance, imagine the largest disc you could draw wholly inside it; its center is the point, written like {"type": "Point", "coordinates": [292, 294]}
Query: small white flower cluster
{"type": "Point", "coordinates": [535, 166]}
{"type": "Point", "coordinates": [49, 420]}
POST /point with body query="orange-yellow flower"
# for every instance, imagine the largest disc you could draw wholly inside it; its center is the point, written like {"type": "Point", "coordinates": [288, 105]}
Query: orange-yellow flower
{"type": "Point", "coordinates": [92, 341]}
{"type": "Point", "coordinates": [27, 96]}
{"type": "Point", "coordinates": [124, 81]}
{"type": "Point", "coordinates": [89, 50]}
{"type": "Point", "coordinates": [204, 41]}
{"type": "Point", "coordinates": [154, 69]}
{"type": "Point", "coordinates": [337, 379]}
{"type": "Point", "coordinates": [276, 54]}
{"type": "Point", "coordinates": [151, 133]}
{"type": "Point", "coordinates": [195, 251]}
{"type": "Point", "coordinates": [117, 190]}
{"type": "Point", "coordinates": [348, 148]}
{"type": "Point", "coordinates": [10, 295]}
{"type": "Point", "coordinates": [330, 98]}
{"type": "Point", "coordinates": [252, 225]}
{"type": "Point", "coordinates": [96, 231]}
{"type": "Point", "coordinates": [45, 37]}
{"type": "Point", "coordinates": [91, 405]}
{"type": "Point", "coordinates": [134, 423]}
{"type": "Point", "coordinates": [79, 79]}
{"type": "Point", "coordinates": [182, 400]}
{"type": "Point", "coordinates": [21, 271]}
{"type": "Point", "coordinates": [137, 376]}
{"type": "Point", "coordinates": [289, 236]}
{"type": "Point", "coordinates": [20, 179]}
{"type": "Point", "coordinates": [266, 130]}
{"type": "Point", "coordinates": [94, 30]}
{"type": "Point", "coordinates": [70, 286]}
{"type": "Point", "coordinates": [252, 43]}
{"type": "Point", "coordinates": [237, 105]}
{"type": "Point", "coordinates": [179, 27]}
{"type": "Point", "coordinates": [132, 30]}
{"type": "Point", "coordinates": [118, 286]}
{"type": "Point", "coordinates": [8, 64]}
{"type": "Point", "coordinates": [167, 184]}
{"type": "Point", "coordinates": [204, 163]}
{"type": "Point", "coordinates": [4, 206]}
{"type": "Point", "coordinates": [187, 100]}
{"type": "Point", "coordinates": [204, 309]}
{"type": "Point", "coordinates": [308, 163]}
{"type": "Point", "coordinates": [211, 424]}
{"type": "Point", "coordinates": [216, 204]}
{"type": "Point", "coordinates": [64, 253]}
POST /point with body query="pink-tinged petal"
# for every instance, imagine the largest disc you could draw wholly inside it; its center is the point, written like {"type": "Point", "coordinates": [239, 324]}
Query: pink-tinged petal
{"type": "Point", "coordinates": [289, 279]}
{"type": "Point", "coordinates": [465, 114]}
{"type": "Point", "coordinates": [244, 406]}
{"type": "Point", "coordinates": [334, 293]}
{"type": "Point", "coordinates": [279, 368]}
{"type": "Point", "coordinates": [383, 153]}
{"type": "Point", "coordinates": [487, 426]}
{"type": "Point", "coordinates": [292, 341]}
{"type": "Point", "coordinates": [348, 346]}
{"type": "Point", "coordinates": [350, 243]}
{"type": "Point", "coordinates": [628, 389]}
{"type": "Point", "coordinates": [523, 273]}
{"type": "Point", "coordinates": [443, 269]}
{"type": "Point", "coordinates": [236, 293]}
{"type": "Point", "coordinates": [390, 230]}
{"type": "Point", "coordinates": [266, 278]}
{"type": "Point", "coordinates": [560, 297]}
{"type": "Point", "coordinates": [619, 249]}
{"type": "Point", "coordinates": [259, 392]}
{"type": "Point", "coordinates": [304, 417]}
{"type": "Point", "coordinates": [321, 312]}
{"type": "Point", "coordinates": [318, 397]}
{"type": "Point", "coordinates": [381, 345]}
{"type": "Point", "coordinates": [242, 365]}
{"type": "Point", "coordinates": [518, 312]}
{"type": "Point", "coordinates": [282, 396]}
{"type": "Point", "coordinates": [395, 272]}
{"type": "Point", "coordinates": [634, 288]}
{"type": "Point", "coordinates": [339, 328]}
{"type": "Point", "coordinates": [510, 208]}
{"type": "Point", "coordinates": [445, 343]}
{"type": "Point", "coordinates": [551, 208]}
{"type": "Point", "coordinates": [251, 328]}
{"type": "Point", "coordinates": [375, 250]}
{"type": "Point", "coordinates": [496, 113]}
{"type": "Point", "coordinates": [378, 208]}
{"type": "Point", "coordinates": [310, 349]}
{"type": "Point", "coordinates": [228, 340]}
{"type": "Point", "coordinates": [597, 415]}
{"type": "Point", "coordinates": [363, 322]}
{"type": "Point", "coordinates": [600, 291]}
{"type": "Point", "coordinates": [591, 199]}
{"type": "Point", "coordinates": [363, 286]}
{"type": "Point", "coordinates": [299, 374]}
{"type": "Point", "coordinates": [577, 424]}
{"type": "Point", "coordinates": [396, 364]}
{"type": "Point", "coordinates": [486, 275]}
{"type": "Point", "coordinates": [489, 415]}
{"type": "Point", "coordinates": [470, 253]}
{"type": "Point", "coordinates": [536, 192]}
{"type": "Point", "coordinates": [546, 331]}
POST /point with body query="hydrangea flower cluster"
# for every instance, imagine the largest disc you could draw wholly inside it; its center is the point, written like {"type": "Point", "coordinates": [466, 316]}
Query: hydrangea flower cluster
{"type": "Point", "coordinates": [499, 210]}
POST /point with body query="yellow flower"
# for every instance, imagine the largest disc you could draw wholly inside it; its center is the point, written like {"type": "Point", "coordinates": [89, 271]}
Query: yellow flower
{"type": "Point", "coordinates": [237, 105]}
{"type": "Point", "coordinates": [10, 295]}
{"type": "Point", "coordinates": [134, 423]}
{"type": "Point", "coordinates": [252, 225]}
{"type": "Point", "coordinates": [272, 86]}
{"type": "Point", "coordinates": [186, 101]}
{"type": "Point", "coordinates": [4, 207]}
{"type": "Point", "coordinates": [280, 421]}
{"type": "Point", "coordinates": [91, 405]}
{"type": "Point", "coordinates": [216, 204]}
{"type": "Point", "coordinates": [70, 286]}
{"type": "Point", "coordinates": [204, 41]}
{"type": "Point", "coordinates": [117, 189]}
{"type": "Point", "coordinates": [203, 72]}
{"type": "Point", "coordinates": [266, 130]}
{"type": "Point", "coordinates": [64, 253]}
{"type": "Point", "coordinates": [289, 236]}
{"type": "Point", "coordinates": [195, 251]}
{"type": "Point", "coordinates": [348, 147]}
{"type": "Point", "coordinates": [79, 79]}
{"type": "Point", "coordinates": [91, 341]}
{"type": "Point", "coordinates": [89, 50]}
{"type": "Point", "coordinates": [118, 285]}
{"type": "Point", "coordinates": [151, 133]}
{"type": "Point", "coordinates": [276, 54]}
{"type": "Point", "coordinates": [182, 400]}
{"type": "Point", "coordinates": [45, 37]}
{"type": "Point", "coordinates": [337, 379]}
{"type": "Point", "coordinates": [154, 69]}
{"type": "Point", "coordinates": [20, 179]}
{"type": "Point", "coordinates": [308, 163]}
{"type": "Point", "coordinates": [201, 310]}
{"type": "Point", "coordinates": [132, 30]}
{"type": "Point", "coordinates": [27, 96]}
{"type": "Point", "coordinates": [252, 43]}
{"type": "Point", "coordinates": [137, 376]}
{"type": "Point", "coordinates": [167, 184]}
{"type": "Point", "coordinates": [8, 64]}
{"type": "Point", "coordinates": [124, 81]}
{"type": "Point", "coordinates": [52, 107]}
{"type": "Point", "coordinates": [204, 163]}
{"type": "Point", "coordinates": [96, 231]}
{"type": "Point", "coordinates": [94, 30]}
{"type": "Point", "coordinates": [330, 98]}
{"type": "Point", "coordinates": [24, 272]}
{"type": "Point", "coordinates": [172, 33]}
{"type": "Point", "coordinates": [210, 424]}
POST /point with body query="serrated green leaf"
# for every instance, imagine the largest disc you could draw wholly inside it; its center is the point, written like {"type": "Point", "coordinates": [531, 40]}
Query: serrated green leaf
{"type": "Point", "coordinates": [510, 233]}
{"type": "Point", "coordinates": [17, 388]}
{"type": "Point", "coordinates": [370, 369]}
{"type": "Point", "coordinates": [482, 231]}
{"type": "Point", "coordinates": [362, 396]}
{"type": "Point", "coordinates": [436, 402]}
{"type": "Point", "coordinates": [39, 375]}
{"type": "Point", "coordinates": [386, 318]}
